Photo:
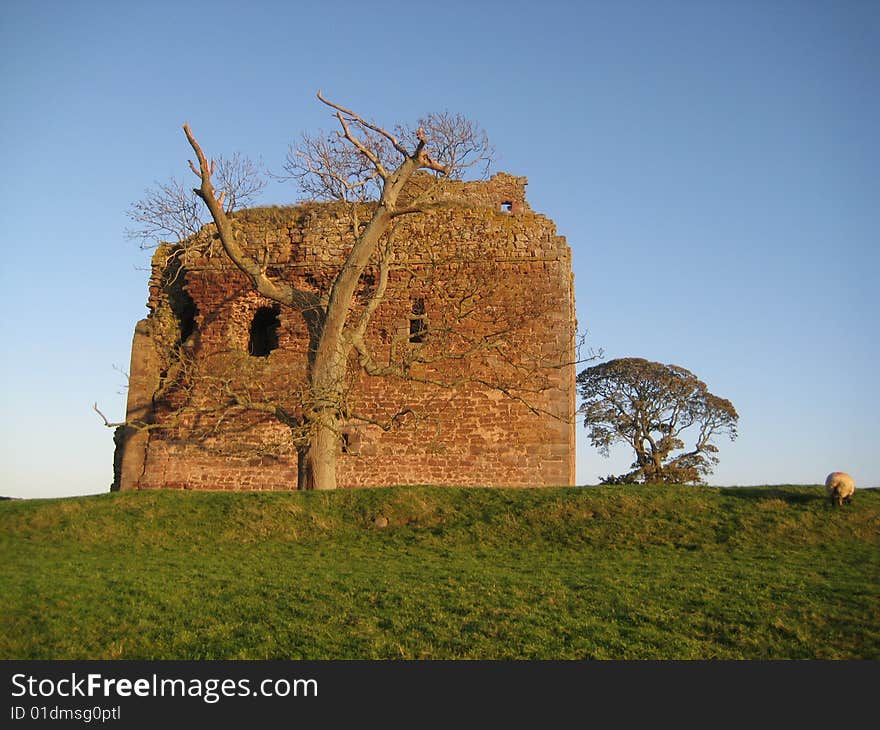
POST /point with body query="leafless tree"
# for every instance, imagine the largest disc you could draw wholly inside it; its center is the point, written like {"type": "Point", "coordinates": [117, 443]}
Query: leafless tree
{"type": "Point", "coordinates": [362, 158]}
{"type": "Point", "coordinates": [168, 212]}
{"type": "Point", "coordinates": [173, 212]}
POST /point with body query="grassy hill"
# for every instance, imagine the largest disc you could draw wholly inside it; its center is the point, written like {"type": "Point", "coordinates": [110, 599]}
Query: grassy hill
{"type": "Point", "coordinates": [581, 573]}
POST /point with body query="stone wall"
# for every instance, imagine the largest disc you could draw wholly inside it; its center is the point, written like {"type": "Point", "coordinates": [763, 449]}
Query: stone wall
{"type": "Point", "coordinates": [479, 311]}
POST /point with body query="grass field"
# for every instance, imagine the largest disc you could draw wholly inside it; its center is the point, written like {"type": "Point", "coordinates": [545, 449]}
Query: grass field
{"type": "Point", "coordinates": [577, 573]}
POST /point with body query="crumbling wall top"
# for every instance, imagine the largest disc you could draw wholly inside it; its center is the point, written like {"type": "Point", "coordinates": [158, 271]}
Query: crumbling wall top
{"type": "Point", "coordinates": [314, 234]}
{"type": "Point", "coordinates": [502, 192]}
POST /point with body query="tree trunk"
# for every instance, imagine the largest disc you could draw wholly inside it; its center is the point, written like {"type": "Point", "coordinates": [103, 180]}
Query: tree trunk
{"type": "Point", "coordinates": [328, 369]}
{"type": "Point", "coordinates": [318, 467]}
{"type": "Point", "coordinates": [323, 418]}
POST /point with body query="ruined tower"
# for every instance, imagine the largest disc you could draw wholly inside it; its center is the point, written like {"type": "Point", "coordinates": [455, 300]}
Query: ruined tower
{"type": "Point", "coordinates": [477, 320]}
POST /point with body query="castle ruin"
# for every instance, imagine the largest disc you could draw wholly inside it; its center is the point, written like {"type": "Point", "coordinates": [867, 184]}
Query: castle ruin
{"type": "Point", "coordinates": [478, 321]}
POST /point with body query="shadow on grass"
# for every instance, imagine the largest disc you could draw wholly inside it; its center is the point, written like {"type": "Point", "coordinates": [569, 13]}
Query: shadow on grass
{"type": "Point", "coordinates": [792, 495]}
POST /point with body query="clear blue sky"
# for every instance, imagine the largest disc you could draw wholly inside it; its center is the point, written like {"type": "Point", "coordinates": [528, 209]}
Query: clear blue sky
{"type": "Point", "coordinates": [715, 167]}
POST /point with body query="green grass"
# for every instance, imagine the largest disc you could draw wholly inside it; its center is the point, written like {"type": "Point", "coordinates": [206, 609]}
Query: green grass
{"type": "Point", "coordinates": [584, 573]}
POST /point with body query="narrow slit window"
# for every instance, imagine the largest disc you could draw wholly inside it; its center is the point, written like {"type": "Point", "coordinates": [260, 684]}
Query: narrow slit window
{"type": "Point", "coordinates": [264, 332]}
{"type": "Point", "coordinates": [418, 323]}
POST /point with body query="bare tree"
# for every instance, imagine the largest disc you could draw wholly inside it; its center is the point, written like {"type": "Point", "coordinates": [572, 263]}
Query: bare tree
{"type": "Point", "coordinates": [173, 211]}
{"type": "Point", "coordinates": [362, 158]}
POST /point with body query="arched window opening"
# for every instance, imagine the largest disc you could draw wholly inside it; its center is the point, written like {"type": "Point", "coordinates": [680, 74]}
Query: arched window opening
{"type": "Point", "coordinates": [185, 311]}
{"type": "Point", "coordinates": [507, 207]}
{"type": "Point", "coordinates": [182, 305]}
{"type": "Point", "coordinates": [264, 332]}
{"type": "Point", "coordinates": [418, 323]}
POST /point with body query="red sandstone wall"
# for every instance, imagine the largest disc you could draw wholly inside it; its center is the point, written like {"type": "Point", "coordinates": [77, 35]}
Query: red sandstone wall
{"type": "Point", "coordinates": [514, 267]}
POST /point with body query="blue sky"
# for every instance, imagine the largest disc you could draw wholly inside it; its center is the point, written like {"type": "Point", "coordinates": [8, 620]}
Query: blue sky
{"type": "Point", "coordinates": [713, 165]}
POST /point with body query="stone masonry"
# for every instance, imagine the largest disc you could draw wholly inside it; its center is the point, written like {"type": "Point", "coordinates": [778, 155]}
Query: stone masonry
{"type": "Point", "coordinates": [478, 319]}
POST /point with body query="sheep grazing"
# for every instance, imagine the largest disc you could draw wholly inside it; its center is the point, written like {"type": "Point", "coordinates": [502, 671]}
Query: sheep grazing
{"type": "Point", "coordinates": [840, 486]}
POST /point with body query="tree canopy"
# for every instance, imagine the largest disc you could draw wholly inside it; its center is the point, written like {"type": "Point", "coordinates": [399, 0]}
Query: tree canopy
{"type": "Point", "coordinates": [648, 406]}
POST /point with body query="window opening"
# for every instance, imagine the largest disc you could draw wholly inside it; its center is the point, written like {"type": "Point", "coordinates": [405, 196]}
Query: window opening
{"type": "Point", "coordinates": [181, 303]}
{"type": "Point", "coordinates": [264, 332]}
{"type": "Point", "coordinates": [418, 324]}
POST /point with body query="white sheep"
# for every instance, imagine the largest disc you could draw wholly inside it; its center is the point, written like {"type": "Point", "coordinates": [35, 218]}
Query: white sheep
{"type": "Point", "coordinates": [840, 486]}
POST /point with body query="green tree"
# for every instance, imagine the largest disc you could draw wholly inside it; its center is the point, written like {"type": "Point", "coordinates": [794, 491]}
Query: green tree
{"type": "Point", "coordinates": [648, 406]}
